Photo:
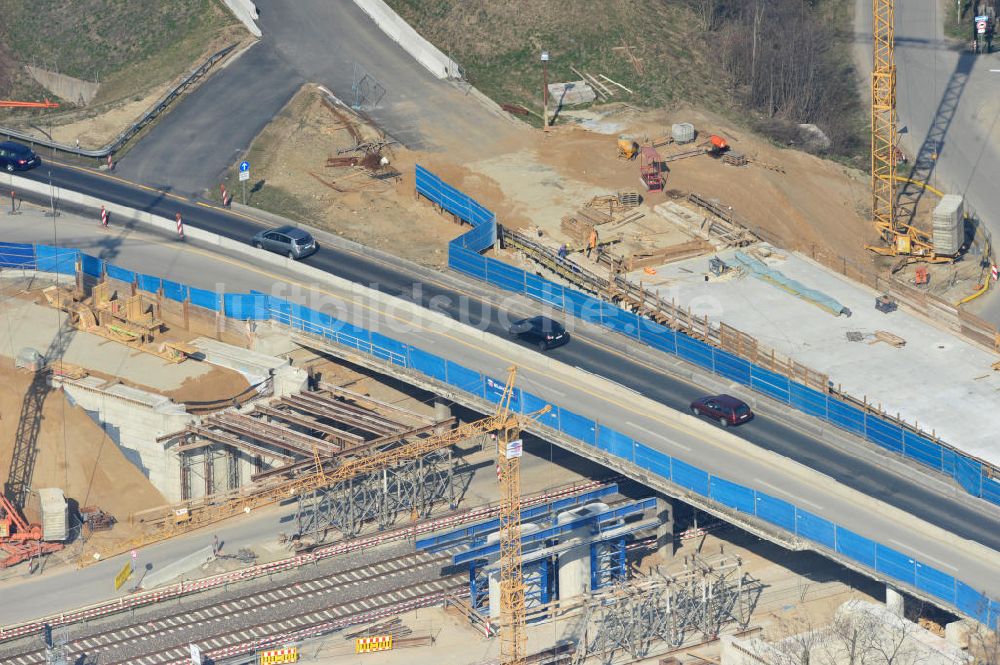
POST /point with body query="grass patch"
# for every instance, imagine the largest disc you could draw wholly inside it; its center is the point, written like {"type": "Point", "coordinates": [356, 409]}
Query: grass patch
{"type": "Point", "coordinates": [499, 45]}
{"type": "Point", "coordinates": [958, 15]}
{"type": "Point", "coordinates": [679, 42]}
{"type": "Point", "coordinates": [129, 47]}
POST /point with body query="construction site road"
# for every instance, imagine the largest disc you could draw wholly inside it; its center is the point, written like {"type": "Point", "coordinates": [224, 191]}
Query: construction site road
{"type": "Point", "coordinates": [333, 44]}
{"type": "Point", "coordinates": [948, 109]}
{"type": "Point", "coordinates": [894, 485]}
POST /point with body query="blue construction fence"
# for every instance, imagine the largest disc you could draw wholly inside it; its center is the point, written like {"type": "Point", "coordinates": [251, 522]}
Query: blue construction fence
{"type": "Point", "coordinates": [739, 498]}
{"type": "Point", "coordinates": [972, 474]}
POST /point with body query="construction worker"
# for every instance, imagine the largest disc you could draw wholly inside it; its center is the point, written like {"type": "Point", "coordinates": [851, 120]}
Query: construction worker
{"type": "Point", "coordinates": [591, 242]}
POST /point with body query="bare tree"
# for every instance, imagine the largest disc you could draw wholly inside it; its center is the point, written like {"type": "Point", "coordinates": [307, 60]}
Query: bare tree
{"type": "Point", "coordinates": [850, 639]}
{"type": "Point", "coordinates": [790, 642]}
{"type": "Point", "coordinates": [984, 644]}
{"type": "Point", "coordinates": [708, 12]}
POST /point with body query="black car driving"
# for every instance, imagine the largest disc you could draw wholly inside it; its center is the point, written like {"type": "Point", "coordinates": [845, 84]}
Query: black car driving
{"type": "Point", "coordinates": [17, 157]}
{"type": "Point", "coordinates": [541, 331]}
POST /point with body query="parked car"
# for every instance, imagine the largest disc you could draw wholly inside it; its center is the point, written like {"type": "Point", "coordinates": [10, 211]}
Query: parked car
{"type": "Point", "coordinates": [17, 157]}
{"type": "Point", "coordinates": [288, 240]}
{"type": "Point", "coordinates": [541, 331]}
{"type": "Point", "coordinates": [724, 409]}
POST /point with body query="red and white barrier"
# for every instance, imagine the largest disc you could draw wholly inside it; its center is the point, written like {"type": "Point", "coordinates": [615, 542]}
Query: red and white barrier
{"type": "Point", "coordinates": [180, 226]}
{"type": "Point", "coordinates": [111, 164]}
{"type": "Point", "coordinates": [104, 217]}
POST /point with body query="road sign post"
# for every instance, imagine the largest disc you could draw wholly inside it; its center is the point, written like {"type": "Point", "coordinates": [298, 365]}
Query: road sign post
{"type": "Point", "coordinates": [244, 176]}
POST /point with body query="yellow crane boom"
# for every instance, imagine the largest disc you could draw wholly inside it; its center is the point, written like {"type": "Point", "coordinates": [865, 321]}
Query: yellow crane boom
{"type": "Point", "coordinates": [883, 129]}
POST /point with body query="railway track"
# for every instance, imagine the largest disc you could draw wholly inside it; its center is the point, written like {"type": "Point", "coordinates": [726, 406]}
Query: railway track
{"type": "Point", "coordinates": [235, 621]}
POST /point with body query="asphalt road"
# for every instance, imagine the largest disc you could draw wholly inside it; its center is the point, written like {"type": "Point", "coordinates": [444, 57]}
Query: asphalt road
{"type": "Point", "coordinates": [171, 260]}
{"type": "Point", "coordinates": [948, 102]}
{"type": "Point", "coordinates": [329, 43]}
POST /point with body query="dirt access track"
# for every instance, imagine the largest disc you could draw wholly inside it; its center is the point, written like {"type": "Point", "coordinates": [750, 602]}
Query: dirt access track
{"type": "Point", "coordinates": [536, 178]}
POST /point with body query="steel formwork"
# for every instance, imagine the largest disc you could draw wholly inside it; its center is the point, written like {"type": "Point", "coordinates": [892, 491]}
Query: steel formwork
{"type": "Point", "coordinates": [630, 620]}
{"type": "Point", "coordinates": [412, 488]}
{"type": "Point", "coordinates": [607, 563]}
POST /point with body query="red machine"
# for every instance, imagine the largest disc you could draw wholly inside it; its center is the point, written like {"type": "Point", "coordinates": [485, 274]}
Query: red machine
{"type": "Point", "coordinates": [19, 539]}
{"type": "Point", "coordinates": [650, 169]}
{"type": "Point", "coordinates": [7, 104]}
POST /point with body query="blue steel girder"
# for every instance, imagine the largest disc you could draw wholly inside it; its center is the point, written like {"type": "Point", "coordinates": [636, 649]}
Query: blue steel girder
{"type": "Point", "coordinates": [595, 522]}
{"type": "Point", "coordinates": [607, 562]}
{"type": "Point", "coordinates": [453, 538]}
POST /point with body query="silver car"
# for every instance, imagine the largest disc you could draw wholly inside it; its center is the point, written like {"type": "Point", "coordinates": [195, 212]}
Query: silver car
{"type": "Point", "coordinates": [288, 240]}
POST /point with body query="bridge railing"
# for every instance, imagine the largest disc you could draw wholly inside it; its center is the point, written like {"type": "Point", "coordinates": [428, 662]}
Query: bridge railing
{"type": "Point", "coordinates": [978, 477]}
{"type": "Point", "coordinates": [822, 534]}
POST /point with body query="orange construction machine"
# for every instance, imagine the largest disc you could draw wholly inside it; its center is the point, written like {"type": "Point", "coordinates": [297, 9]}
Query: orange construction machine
{"type": "Point", "coordinates": [19, 539]}
{"type": "Point", "coordinates": [8, 104]}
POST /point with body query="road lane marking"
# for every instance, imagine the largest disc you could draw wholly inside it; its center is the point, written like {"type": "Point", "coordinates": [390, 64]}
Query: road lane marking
{"type": "Point", "coordinates": [923, 557]}
{"type": "Point", "coordinates": [623, 406]}
{"type": "Point", "coordinates": [108, 176]}
{"type": "Point", "coordinates": [775, 488]}
{"type": "Point", "coordinates": [657, 435]}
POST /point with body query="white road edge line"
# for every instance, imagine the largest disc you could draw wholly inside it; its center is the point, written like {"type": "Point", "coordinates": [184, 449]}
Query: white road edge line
{"type": "Point", "coordinates": [775, 488]}
{"type": "Point", "coordinates": [923, 557]}
{"type": "Point", "coordinates": [659, 436]}
{"type": "Point", "coordinates": [631, 390]}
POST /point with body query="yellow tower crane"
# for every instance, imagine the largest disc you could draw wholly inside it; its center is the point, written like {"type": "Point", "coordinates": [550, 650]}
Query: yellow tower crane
{"type": "Point", "coordinates": [900, 239]}
{"type": "Point", "coordinates": [513, 638]}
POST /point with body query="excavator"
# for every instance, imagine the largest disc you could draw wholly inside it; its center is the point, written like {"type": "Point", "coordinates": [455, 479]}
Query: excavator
{"type": "Point", "coordinates": [19, 539]}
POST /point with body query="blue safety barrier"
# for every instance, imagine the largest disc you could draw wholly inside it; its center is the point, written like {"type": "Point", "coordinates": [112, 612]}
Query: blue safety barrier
{"type": "Point", "coordinates": [17, 255]}
{"type": "Point", "coordinates": [463, 257]}
{"type": "Point", "coordinates": [56, 259]}
{"type": "Point", "coordinates": [826, 534]}
{"type": "Point", "coordinates": [148, 283]}
{"type": "Point", "coordinates": [122, 275]}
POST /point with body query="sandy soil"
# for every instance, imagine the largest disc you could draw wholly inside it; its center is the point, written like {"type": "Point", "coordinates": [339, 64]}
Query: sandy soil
{"type": "Point", "coordinates": [813, 202]}
{"type": "Point", "coordinates": [74, 454]}
{"type": "Point", "coordinates": [292, 152]}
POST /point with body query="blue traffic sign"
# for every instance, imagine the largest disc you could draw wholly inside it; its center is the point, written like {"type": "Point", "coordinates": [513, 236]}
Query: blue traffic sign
{"type": "Point", "coordinates": [244, 166]}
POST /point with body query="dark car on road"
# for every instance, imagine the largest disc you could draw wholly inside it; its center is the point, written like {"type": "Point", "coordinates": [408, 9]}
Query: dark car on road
{"type": "Point", "coordinates": [724, 409]}
{"type": "Point", "coordinates": [288, 240]}
{"type": "Point", "coordinates": [17, 157]}
{"type": "Point", "coordinates": [540, 331]}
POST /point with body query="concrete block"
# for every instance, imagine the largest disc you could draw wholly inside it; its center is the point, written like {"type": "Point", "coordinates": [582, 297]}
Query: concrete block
{"type": "Point", "coordinates": [958, 633]}
{"type": "Point", "coordinates": [428, 55]}
{"type": "Point", "coordinates": [182, 566]}
{"type": "Point", "coordinates": [246, 12]}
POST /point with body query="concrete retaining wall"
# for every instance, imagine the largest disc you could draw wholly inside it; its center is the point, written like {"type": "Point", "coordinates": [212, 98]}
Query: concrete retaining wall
{"type": "Point", "coordinates": [428, 55]}
{"type": "Point", "coordinates": [133, 419]}
{"type": "Point", "coordinates": [69, 88]}
{"type": "Point", "coordinates": [246, 12]}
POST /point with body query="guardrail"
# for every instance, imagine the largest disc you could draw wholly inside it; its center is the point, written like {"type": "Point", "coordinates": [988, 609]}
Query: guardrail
{"type": "Point", "coordinates": [116, 144]}
{"type": "Point", "coordinates": [978, 477]}
{"type": "Point", "coordinates": [734, 498]}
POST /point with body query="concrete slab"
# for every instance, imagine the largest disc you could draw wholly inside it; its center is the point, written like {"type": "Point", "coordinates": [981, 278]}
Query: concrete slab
{"type": "Point", "coordinates": [937, 379]}
{"type": "Point", "coordinates": [26, 324]}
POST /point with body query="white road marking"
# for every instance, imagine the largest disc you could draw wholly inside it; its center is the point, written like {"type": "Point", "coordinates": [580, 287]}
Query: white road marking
{"type": "Point", "coordinates": [659, 436]}
{"type": "Point", "coordinates": [797, 499]}
{"type": "Point", "coordinates": [923, 557]}
{"type": "Point", "coordinates": [631, 390]}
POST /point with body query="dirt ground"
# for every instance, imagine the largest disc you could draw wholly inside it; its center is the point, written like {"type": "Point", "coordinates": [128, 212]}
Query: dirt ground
{"type": "Point", "coordinates": [292, 154]}
{"type": "Point", "coordinates": [74, 454]}
{"type": "Point", "coordinates": [813, 202]}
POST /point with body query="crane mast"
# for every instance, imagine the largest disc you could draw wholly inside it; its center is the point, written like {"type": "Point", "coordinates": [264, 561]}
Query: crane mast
{"type": "Point", "coordinates": [883, 131]}
{"type": "Point", "coordinates": [513, 639]}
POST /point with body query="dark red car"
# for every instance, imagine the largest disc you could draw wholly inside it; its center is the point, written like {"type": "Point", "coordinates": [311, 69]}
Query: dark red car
{"type": "Point", "coordinates": [724, 409]}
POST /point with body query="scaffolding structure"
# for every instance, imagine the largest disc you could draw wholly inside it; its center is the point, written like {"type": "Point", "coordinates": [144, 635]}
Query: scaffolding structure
{"type": "Point", "coordinates": [632, 619]}
{"type": "Point", "coordinates": [412, 488]}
